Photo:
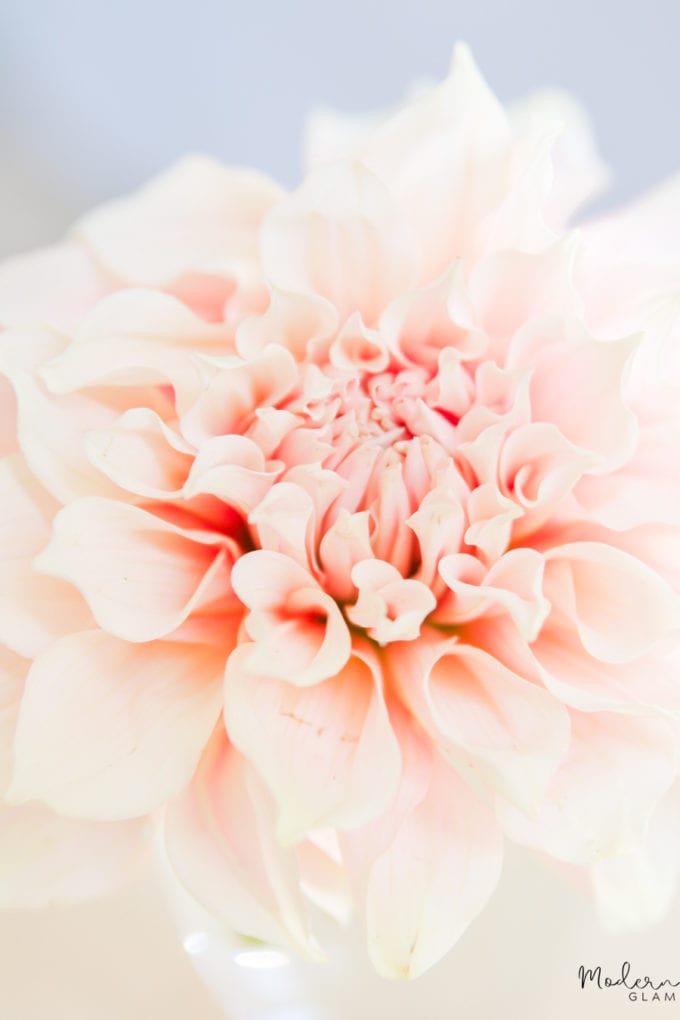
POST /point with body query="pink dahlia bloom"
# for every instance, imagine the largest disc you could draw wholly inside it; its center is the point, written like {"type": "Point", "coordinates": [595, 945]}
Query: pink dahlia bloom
{"type": "Point", "coordinates": [341, 532]}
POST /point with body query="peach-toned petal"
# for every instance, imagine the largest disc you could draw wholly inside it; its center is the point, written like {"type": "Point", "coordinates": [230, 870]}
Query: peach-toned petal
{"type": "Point", "coordinates": [427, 867]}
{"type": "Point", "coordinates": [136, 338]}
{"type": "Point", "coordinates": [221, 844]}
{"type": "Point", "coordinates": [303, 323]}
{"type": "Point", "coordinates": [389, 607]}
{"type": "Point", "coordinates": [483, 716]}
{"type": "Point", "coordinates": [197, 215]}
{"type": "Point", "coordinates": [233, 468]}
{"type": "Point", "coordinates": [141, 453]}
{"type": "Point", "coordinates": [47, 860]}
{"type": "Point", "coordinates": [234, 390]}
{"type": "Point", "coordinates": [326, 752]}
{"type": "Point", "coordinates": [341, 217]}
{"type": "Point", "coordinates": [619, 606]}
{"type": "Point", "coordinates": [593, 811]}
{"type": "Point", "coordinates": [512, 585]}
{"type": "Point", "coordinates": [50, 287]}
{"type": "Point", "coordinates": [298, 631]}
{"type": "Point", "coordinates": [134, 718]}
{"type": "Point", "coordinates": [140, 576]}
{"type": "Point", "coordinates": [574, 375]}
{"type": "Point", "coordinates": [345, 543]}
{"type": "Point", "coordinates": [33, 609]}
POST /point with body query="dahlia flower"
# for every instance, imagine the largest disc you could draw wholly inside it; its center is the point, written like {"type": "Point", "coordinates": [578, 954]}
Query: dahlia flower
{"type": "Point", "coordinates": [341, 532]}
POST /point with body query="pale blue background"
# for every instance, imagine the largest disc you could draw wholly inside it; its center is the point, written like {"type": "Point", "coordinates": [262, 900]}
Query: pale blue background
{"type": "Point", "coordinates": [96, 96]}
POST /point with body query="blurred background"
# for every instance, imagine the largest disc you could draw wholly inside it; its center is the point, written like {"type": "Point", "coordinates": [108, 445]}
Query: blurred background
{"type": "Point", "coordinates": [96, 97]}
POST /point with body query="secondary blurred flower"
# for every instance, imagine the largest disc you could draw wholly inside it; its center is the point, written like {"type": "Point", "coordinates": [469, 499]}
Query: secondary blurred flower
{"type": "Point", "coordinates": [340, 532]}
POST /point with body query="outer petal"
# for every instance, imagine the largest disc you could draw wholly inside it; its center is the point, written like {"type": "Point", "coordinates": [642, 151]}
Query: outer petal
{"type": "Point", "coordinates": [221, 844]}
{"type": "Point", "coordinates": [629, 259]}
{"type": "Point", "coordinates": [637, 889]}
{"type": "Point", "coordinates": [429, 864]}
{"type": "Point", "coordinates": [46, 860]}
{"type": "Point", "coordinates": [482, 715]}
{"type": "Point", "coordinates": [140, 576]}
{"type": "Point", "coordinates": [134, 718]}
{"type": "Point", "coordinates": [327, 752]}
{"type": "Point", "coordinates": [341, 237]}
{"type": "Point", "coordinates": [51, 287]}
{"type": "Point", "coordinates": [619, 606]}
{"type": "Point", "coordinates": [33, 609]}
{"type": "Point", "coordinates": [136, 338]}
{"type": "Point", "coordinates": [444, 158]}
{"type": "Point", "coordinates": [593, 811]}
{"type": "Point", "coordinates": [198, 214]}
{"type": "Point", "coordinates": [13, 670]}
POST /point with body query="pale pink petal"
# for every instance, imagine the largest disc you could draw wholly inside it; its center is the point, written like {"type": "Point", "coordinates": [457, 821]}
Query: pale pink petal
{"type": "Point", "coordinates": [439, 525]}
{"type": "Point", "coordinates": [323, 879]}
{"type": "Point", "coordinates": [33, 609]}
{"type": "Point", "coordinates": [284, 522]}
{"type": "Point", "coordinates": [644, 490]}
{"type": "Point", "coordinates": [197, 215]}
{"type": "Point", "coordinates": [491, 515]}
{"type": "Point", "coordinates": [50, 287]}
{"type": "Point", "coordinates": [303, 323]}
{"type": "Point", "coordinates": [326, 752]}
{"type": "Point", "coordinates": [13, 671]}
{"type": "Point", "coordinates": [510, 288]}
{"type": "Point", "coordinates": [514, 584]}
{"type": "Point", "coordinates": [137, 338]}
{"type": "Point", "coordinates": [135, 719]}
{"type": "Point", "coordinates": [340, 236]}
{"type": "Point", "coordinates": [49, 429]}
{"type": "Point", "coordinates": [233, 468]}
{"type": "Point", "coordinates": [629, 259]}
{"type": "Point", "coordinates": [140, 576]}
{"type": "Point", "coordinates": [141, 453]}
{"type": "Point", "coordinates": [422, 324]}
{"type": "Point", "coordinates": [619, 606]}
{"type": "Point", "coordinates": [579, 174]}
{"type": "Point", "coordinates": [345, 543]}
{"type": "Point", "coordinates": [358, 348]}
{"type": "Point", "coordinates": [47, 860]}
{"type": "Point", "coordinates": [235, 389]}
{"type": "Point", "coordinates": [637, 889]}
{"type": "Point", "coordinates": [298, 631]}
{"type": "Point", "coordinates": [601, 799]}
{"type": "Point", "coordinates": [506, 729]}
{"type": "Point", "coordinates": [573, 374]}
{"type": "Point", "coordinates": [221, 843]}
{"type": "Point", "coordinates": [539, 468]}
{"type": "Point", "coordinates": [427, 867]}
{"type": "Point", "coordinates": [389, 607]}
{"type": "Point", "coordinates": [441, 158]}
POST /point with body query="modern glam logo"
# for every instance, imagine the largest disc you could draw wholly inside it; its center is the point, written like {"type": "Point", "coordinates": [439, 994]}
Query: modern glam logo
{"type": "Point", "coordinates": [640, 989]}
